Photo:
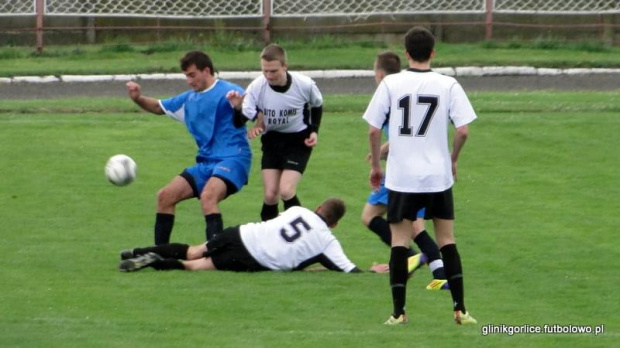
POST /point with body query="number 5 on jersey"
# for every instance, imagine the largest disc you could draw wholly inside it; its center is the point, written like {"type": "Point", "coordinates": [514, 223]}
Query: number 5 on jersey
{"type": "Point", "coordinates": [297, 225]}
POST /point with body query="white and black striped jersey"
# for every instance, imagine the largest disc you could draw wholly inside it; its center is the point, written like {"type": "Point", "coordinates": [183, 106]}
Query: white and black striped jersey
{"type": "Point", "coordinates": [283, 107]}
{"type": "Point", "coordinates": [420, 105]}
{"type": "Point", "coordinates": [295, 239]}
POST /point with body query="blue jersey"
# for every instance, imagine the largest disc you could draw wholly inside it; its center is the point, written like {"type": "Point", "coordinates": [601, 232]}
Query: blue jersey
{"type": "Point", "coordinates": [209, 119]}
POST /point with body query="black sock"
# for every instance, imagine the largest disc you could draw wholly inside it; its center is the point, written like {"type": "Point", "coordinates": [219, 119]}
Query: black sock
{"type": "Point", "coordinates": [398, 279]}
{"type": "Point", "coordinates": [381, 228]}
{"type": "Point", "coordinates": [163, 228]}
{"type": "Point", "coordinates": [454, 274]}
{"type": "Point", "coordinates": [269, 211]}
{"type": "Point", "coordinates": [215, 225]}
{"type": "Point", "coordinates": [168, 265]}
{"type": "Point", "coordinates": [428, 246]}
{"type": "Point", "coordinates": [173, 250]}
{"type": "Point", "coordinates": [293, 202]}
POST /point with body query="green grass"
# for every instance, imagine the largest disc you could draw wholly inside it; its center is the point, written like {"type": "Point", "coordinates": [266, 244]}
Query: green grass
{"type": "Point", "coordinates": [536, 207]}
{"type": "Point", "coordinates": [321, 53]}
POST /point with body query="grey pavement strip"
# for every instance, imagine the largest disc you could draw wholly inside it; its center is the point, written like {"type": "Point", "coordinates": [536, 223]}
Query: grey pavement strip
{"type": "Point", "coordinates": [318, 74]}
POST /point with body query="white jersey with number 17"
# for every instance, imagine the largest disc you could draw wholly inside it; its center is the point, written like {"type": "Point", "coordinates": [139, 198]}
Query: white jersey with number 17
{"type": "Point", "coordinates": [295, 239]}
{"type": "Point", "coordinates": [420, 105]}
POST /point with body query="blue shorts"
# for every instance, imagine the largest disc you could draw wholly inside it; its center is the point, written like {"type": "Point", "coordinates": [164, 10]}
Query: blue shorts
{"type": "Point", "coordinates": [234, 171]}
{"type": "Point", "coordinates": [381, 197]}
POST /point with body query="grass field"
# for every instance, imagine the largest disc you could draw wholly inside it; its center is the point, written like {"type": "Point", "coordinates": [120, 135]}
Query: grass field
{"type": "Point", "coordinates": [136, 59]}
{"type": "Point", "coordinates": [537, 219]}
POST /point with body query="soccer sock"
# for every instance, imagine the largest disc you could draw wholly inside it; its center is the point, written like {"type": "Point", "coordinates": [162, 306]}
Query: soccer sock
{"type": "Point", "coordinates": [269, 211]}
{"type": "Point", "coordinates": [428, 246]}
{"type": "Point", "coordinates": [454, 274]}
{"type": "Point", "coordinates": [215, 225]}
{"type": "Point", "coordinates": [293, 202]}
{"type": "Point", "coordinates": [173, 250]}
{"type": "Point", "coordinates": [398, 279]}
{"type": "Point", "coordinates": [163, 228]}
{"type": "Point", "coordinates": [381, 228]}
{"type": "Point", "coordinates": [168, 265]}
{"type": "Point", "coordinates": [437, 269]}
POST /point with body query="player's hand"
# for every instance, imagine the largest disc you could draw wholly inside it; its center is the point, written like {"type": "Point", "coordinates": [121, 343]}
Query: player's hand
{"type": "Point", "coordinates": [380, 268]}
{"type": "Point", "coordinates": [312, 140]}
{"type": "Point", "coordinates": [134, 90]}
{"type": "Point", "coordinates": [235, 99]}
{"type": "Point", "coordinates": [255, 131]}
{"type": "Point", "coordinates": [375, 178]}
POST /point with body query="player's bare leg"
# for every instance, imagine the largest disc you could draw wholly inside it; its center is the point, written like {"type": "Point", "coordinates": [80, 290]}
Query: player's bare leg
{"type": "Point", "coordinates": [444, 233]}
{"type": "Point", "coordinates": [213, 192]}
{"type": "Point", "coordinates": [176, 191]}
{"type": "Point", "coordinates": [288, 188]}
{"type": "Point", "coordinates": [371, 211]}
{"type": "Point", "coordinates": [196, 252]}
{"type": "Point", "coordinates": [271, 193]}
{"type": "Point", "coordinates": [202, 264]}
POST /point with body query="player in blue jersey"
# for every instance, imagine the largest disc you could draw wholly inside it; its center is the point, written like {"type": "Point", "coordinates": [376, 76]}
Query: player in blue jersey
{"type": "Point", "coordinates": [224, 156]}
{"type": "Point", "coordinates": [385, 64]}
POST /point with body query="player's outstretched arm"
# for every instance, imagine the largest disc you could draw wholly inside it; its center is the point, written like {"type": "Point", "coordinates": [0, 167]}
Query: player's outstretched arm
{"type": "Point", "coordinates": [147, 104]}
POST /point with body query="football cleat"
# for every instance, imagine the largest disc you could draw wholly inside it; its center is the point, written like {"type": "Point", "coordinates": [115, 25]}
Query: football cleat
{"type": "Point", "coordinates": [438, 284]}
{"type": "Point", "coordinates": [463, 318]}
{"type": "Point", "coordinates": [127, 254]}
{"type": "Point", "coordinates": [402, 319]}
{"type": "Point", "coordinates": [138, 263]}
{"type": "Point", "coordinates": [414, 262]}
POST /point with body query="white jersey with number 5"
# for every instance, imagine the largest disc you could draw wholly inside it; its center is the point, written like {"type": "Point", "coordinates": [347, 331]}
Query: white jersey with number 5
{"type": "Point", "coordinates": [295, 239]}
{"type": "Point", "coordinates": [420, 105]}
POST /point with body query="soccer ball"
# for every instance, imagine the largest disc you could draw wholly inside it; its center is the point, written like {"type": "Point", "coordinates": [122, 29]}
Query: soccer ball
{"type": "Point", "coordinates": [120, 170]}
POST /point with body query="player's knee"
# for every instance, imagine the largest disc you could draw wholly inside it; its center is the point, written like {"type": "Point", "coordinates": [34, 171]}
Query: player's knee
{"type": "Point", "coordinates": [164, 198]}
{"type": "Point", "coordinates": [287, 192]}
{"type": "Point", "coordinates": [366, 218]}
{"type": "Point", "coordinates": [208, 199]}
{"type": "Point", "coordinates": [367, 215]}
{"type": "Point", "coordinates": [196, 251]}
{"type": "Point", "coordinates": [271, 196]}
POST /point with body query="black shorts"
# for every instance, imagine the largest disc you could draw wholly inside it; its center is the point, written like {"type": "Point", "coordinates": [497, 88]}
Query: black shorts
{"type": "Point", "coordinates": [405, 205]}
{"type": "Point", "coordinates": [229, 254]}
{"type": "Point", "coordinates": [285, 151]}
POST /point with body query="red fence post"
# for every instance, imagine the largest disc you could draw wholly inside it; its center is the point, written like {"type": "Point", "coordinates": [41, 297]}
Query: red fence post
{"type": "Point", "coordinates": [488, 21]}
{"type": "Point", "coordinates": [266, 22]}
{"type": "Point", "coordinates": [40, 9]}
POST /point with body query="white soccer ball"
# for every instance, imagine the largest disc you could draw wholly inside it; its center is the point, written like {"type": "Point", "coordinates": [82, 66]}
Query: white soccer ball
{"type": "Point", "coordinates": [120, 170]}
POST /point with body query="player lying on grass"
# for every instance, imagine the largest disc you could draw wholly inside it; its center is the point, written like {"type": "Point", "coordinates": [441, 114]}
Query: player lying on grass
{"type": "Point", "coordinates": [292, 241]}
